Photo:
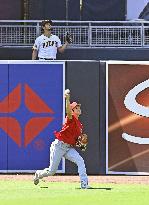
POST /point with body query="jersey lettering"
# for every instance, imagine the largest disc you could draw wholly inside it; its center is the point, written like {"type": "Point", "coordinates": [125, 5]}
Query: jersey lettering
{"type": "Point", "coordinates": [49, 43]}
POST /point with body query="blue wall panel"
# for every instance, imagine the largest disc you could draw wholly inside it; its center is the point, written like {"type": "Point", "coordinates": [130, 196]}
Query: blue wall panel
{"type": "Point", "coordinates": [35, 111]}
{"type": "Point", "coordinates": [3, 115]}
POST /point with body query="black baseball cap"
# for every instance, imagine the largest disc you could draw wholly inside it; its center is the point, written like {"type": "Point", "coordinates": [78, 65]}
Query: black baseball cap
{"type": "Point", "coordinates": [44, 22]}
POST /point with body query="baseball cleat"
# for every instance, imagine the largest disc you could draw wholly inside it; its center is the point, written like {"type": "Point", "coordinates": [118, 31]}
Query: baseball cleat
{"type": "Point", "coordinates": [86, 187]}
{"type": "Point", "coordinates": [36, 178]}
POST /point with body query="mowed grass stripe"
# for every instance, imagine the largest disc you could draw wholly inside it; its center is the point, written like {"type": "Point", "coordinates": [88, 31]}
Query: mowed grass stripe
{"type": "Point", "coordinates": [60, 193]}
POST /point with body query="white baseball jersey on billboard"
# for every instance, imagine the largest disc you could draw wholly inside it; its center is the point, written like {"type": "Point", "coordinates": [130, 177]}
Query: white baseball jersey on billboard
{"type": "Point", "coordinates": [47, 46]}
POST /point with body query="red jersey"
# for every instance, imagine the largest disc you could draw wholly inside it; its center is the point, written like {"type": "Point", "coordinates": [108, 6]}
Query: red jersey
{"type": "Point", "coordinates": [70, 131]}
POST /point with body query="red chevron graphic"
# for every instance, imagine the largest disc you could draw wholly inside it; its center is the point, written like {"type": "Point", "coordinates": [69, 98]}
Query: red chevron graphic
{"type": "Point", "coordinates": [11, 102]}
{"type": "Point", "coordinates": [34, 103]}
{"type": "Point", "coordinates": [12, 127]}
{"type": "Point", "coordinates": [34, 126]}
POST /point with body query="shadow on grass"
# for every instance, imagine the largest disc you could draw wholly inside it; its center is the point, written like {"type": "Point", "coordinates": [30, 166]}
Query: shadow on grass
{"type": "Point", "coordinates": [108, 189]}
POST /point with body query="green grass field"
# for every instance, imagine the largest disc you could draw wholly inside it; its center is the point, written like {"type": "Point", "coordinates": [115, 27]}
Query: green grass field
{"type": "Point", "coordinates": [55, 193]}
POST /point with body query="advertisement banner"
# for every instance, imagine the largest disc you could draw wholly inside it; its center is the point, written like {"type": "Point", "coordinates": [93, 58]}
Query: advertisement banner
{"type": "Point", "coordinates": [31, 110]}
{"type": "Point", "coordinates": [127, 117]}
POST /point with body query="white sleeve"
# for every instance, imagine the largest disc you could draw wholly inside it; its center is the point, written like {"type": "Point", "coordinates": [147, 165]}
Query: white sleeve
{"type": "Point", "coordinates": [36, 44]}
{"type": "Point", "coordinates": [59, 44]}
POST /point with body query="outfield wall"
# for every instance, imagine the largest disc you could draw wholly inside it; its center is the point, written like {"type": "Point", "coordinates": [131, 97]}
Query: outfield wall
{"type": "Point", "coordinates": [131, 54]}
{"type": "Point", "coordinates": [127, 118]}
{"type": "Point", "coordinates": [32, 107]}
{"type": "Point", "coordinates": [114, 99]}
{"type": "Point", "coordinates": [83, 78]}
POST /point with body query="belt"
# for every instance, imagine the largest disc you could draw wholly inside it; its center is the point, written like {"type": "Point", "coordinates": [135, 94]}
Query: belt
{"type": "Point", "coordinates": [46, 58]}
{"type": "Point", "coordinates": [63, 143]}
{"type": "Point", "coordinates": [66, 144]}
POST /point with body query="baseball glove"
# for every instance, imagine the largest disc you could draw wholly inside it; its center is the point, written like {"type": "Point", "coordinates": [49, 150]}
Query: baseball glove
{"type": "Point", "coordinates": [82, 142]}
{"type": "Point", "coordinates": [69, 37]}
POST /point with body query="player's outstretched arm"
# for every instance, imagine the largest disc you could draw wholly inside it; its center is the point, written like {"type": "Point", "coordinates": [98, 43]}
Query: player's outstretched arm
{"type": "Point", "coordinates": [68, 108]}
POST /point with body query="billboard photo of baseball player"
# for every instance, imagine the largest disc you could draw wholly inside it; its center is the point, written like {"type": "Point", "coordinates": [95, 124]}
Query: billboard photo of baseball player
{"type": "Point", "coordinates": [47, 44]}
{"type": "Point", "coordinates": [70, 136]}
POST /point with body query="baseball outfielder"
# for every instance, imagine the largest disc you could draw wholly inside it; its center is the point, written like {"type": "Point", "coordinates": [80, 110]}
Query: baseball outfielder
{"type": "Point", "coordinates": [47, 44]}
{"type": "Point", "coordinates": [64, 144]}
